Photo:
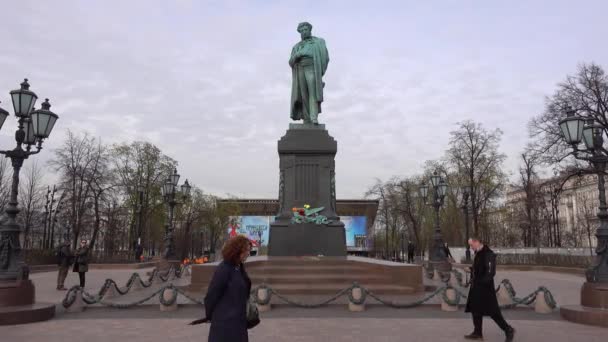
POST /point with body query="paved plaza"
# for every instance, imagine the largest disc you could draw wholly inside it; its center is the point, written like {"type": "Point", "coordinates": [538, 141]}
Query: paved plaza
{"type": "Point", "coordinates": [332, 323]}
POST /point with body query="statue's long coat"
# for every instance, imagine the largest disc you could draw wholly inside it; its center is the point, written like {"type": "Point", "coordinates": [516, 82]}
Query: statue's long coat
{"type": "Point", "coordinates": [321, 59]}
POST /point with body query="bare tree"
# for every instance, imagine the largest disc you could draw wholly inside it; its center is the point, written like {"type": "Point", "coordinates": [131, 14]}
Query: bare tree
{"type": "Point", "coordinates": [31, 194]}
{"type": "Point", "coordinates": [77, 161]}
{"type": "Point", "coordinates": [141, 166]}
{"type": "Point", "coordinates": [379, 191]}
{"type": "Point", "coordinates": [587, 93]}
{"type": "Point", "coordinates": [474, 154]}
{"type": "Point", "coordinates": [5, 182]}
{"type": "Point", "coordinates": [530, 185]}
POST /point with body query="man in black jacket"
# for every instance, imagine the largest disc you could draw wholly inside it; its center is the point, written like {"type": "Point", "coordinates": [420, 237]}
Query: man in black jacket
{"type": "Point", "coordinates": [411, 248]}
{"type": "Point", "coordinates": [482, 295]}
{"type": "Point", "coordinates": [65, 258]}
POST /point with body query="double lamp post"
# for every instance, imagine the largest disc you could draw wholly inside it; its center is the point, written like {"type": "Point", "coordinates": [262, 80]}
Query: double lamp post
{"type": "Point", "coordinates": [33, 126]}
{"type": "Point", "coordinates": [170, 195]}
{"type": "Point", "coordinates": [575, 129]}
{"type": "Point", "coordinates": [437, 255]}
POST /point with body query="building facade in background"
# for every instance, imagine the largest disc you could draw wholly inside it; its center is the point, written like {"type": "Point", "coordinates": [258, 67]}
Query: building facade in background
{"type": "Point", "coordinates": [565, 212]}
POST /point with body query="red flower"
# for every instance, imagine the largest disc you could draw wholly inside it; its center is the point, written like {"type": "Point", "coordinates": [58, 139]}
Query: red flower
{"type": "Point", "coordinates": [301, 212]}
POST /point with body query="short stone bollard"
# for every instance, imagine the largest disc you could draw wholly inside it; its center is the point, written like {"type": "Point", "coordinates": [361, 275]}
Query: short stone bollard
{"type": "Point", "coordinates": [167, 297]}
{"type": "Point", "coordinates": [262, 296]}
{"type": "Point", "coordinates": [357, 304]}
{"type": "Point", "coordinates": [540, 304]}
{"type": "Point", "coordinates": [437, 275]}
{"type": "Point", "coordinates": [454, 280]}
{"type": "Point", "coordinates": [451, 296]}
{"type": "Point", "coordinates": [503, 296]}
{"type": "Point", "coordinates": [78, 305]}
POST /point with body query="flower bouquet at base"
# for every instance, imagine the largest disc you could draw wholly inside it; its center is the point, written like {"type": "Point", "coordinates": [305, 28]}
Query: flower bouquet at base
{"type": "Point", "coordinates": [307, 214]}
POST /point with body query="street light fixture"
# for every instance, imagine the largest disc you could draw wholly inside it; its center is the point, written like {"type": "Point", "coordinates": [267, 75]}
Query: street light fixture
{"type": "Point", "coordinates": [437, 256]}
{"type": "Point", "coordinates": [17, 292]}
{"type": "Point", "coordinates": [12, 266]}
{"type": "Point", "coordinates": [575, 129]}
{"type": "Point", "coordinates": [140, 212]}
{"type": "Point", "coordinates": [594, 296]}
{"type": "Point", "coordinates": [169, 192]}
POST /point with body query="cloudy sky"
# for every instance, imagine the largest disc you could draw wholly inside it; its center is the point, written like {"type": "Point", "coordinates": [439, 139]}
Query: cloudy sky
{"type": "Point", "coordinates": [208, 81]}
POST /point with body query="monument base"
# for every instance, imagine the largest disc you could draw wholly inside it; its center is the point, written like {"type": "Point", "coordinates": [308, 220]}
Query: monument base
{"type": "Point", "coordinates": [17, 304]}
{"type": "Point", "coordinates": [307, 239]}
{"type": "Point", "coordinates": [594, 306]}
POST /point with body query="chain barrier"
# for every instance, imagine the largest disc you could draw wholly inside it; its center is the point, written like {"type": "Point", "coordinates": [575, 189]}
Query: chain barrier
{"type": "Point", "coordinates": [71, 296]}
{"type": "Point", "coordinates": [90, 299]}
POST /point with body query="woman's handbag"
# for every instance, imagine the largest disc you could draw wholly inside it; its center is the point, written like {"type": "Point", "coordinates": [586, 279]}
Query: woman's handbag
{"type": "Point", "coordinates": [253, 315]}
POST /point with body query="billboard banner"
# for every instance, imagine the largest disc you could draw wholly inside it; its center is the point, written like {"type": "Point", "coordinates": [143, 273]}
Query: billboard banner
{"type": "Point", "coordinates": [355, 227]}
{"type": "Point", "coordinates": [257, 227]}
{"type": "Point", "coordinates": [254, 227]}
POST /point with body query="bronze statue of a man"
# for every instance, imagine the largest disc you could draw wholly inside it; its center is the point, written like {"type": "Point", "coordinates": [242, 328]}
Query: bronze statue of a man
{"type": "Point", "coordinates": [308, 61]}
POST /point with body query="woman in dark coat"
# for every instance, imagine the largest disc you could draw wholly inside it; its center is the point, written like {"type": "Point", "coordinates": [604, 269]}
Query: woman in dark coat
{"type": "Point", "coordinates": [228, 292]}
{"type": "Point", "coordinates": [82, 261]}
{"type": "Point", "coordinates": [482, 299]}
{"type": "Point", "coordinates": [447, 252]}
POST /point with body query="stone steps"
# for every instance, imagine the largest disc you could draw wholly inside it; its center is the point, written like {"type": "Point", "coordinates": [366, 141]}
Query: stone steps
{"type": "Point", "coordinates": [300, 278]}
{"type": "Point", "coordinates": [323, 276]}
{"type": "Point", "coordinates": [310, 269]}
{"type": "Point", "coordinates": [333, 288]}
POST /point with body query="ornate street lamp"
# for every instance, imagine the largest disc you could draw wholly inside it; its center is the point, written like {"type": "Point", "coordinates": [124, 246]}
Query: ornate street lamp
{"type": "Point", "coordinates": [437, 255]}
{"type": "Point", "coordinates": [17, 292]}
{"type": "Point", "coordinates": [140, 212]}
{"type": "Point", "coordinates": [574, 130]}
{"type": "Point", "coordinates": [169, 191]}
{"type": "Point", "coordinates": [27, 135]}
{"type": "Point", "coordinates": [466, 191]}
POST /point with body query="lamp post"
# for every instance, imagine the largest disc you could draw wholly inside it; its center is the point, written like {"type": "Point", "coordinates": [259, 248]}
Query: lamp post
{"type": "Point", "coordinates": [437, 255]}
{"type": "Point", "coordinates": [574, 130]}
{"type": "Point", "coordinates": [594, 297]}
{"type": "Point", "coordinates": [403, 245]}
{"type": "Point", "coordinates": [17, 292]}
{"type": "Point", "coordinates": [466, 191]}
{"type": "Point", "coordinates": [140, 203]}
{"type": "Point", "coordinates": [169, 190]}
{"type": "Point", "coordinates": [33, 127]}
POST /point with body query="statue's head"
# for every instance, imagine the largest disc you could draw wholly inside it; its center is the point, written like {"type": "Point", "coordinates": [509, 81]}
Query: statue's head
{"type": "Point", "coordinates": [305, 29]}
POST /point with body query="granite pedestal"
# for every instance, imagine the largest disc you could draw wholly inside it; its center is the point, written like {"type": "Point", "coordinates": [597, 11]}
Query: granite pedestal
{"type": "Point", "coordinates": [307, 176]}
{"type": "Point", "coordinates": [594, 306]}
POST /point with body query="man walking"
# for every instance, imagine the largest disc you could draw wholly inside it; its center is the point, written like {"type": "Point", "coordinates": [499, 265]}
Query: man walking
{"type": "Point", "coordinates": [482, 296]}
{"type": "Point", "coordinates": [64, 260]}
{"type": "Point", "coordinates": [411, 248]}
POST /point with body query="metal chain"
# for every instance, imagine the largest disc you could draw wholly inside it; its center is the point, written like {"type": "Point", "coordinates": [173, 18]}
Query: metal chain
{"type": "Point", "coordinates": [527, 300]}
{"type": "Point", "coordinates": [90, 299]}
{"type": "Point", "coordinates": [315, 305]}
{"type": "Point", "coordinates": [406, 305]}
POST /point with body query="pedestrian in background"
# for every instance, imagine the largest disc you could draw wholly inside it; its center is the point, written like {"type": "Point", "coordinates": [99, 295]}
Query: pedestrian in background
{"type": "Point", "coordinates": [65, 258]}
{"type": "Point", "coordinates": [82, 261]}
{"type": "Point", "coordinates": [411, 248]}
{"type": "Point", "coordinates": [448, 254]}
